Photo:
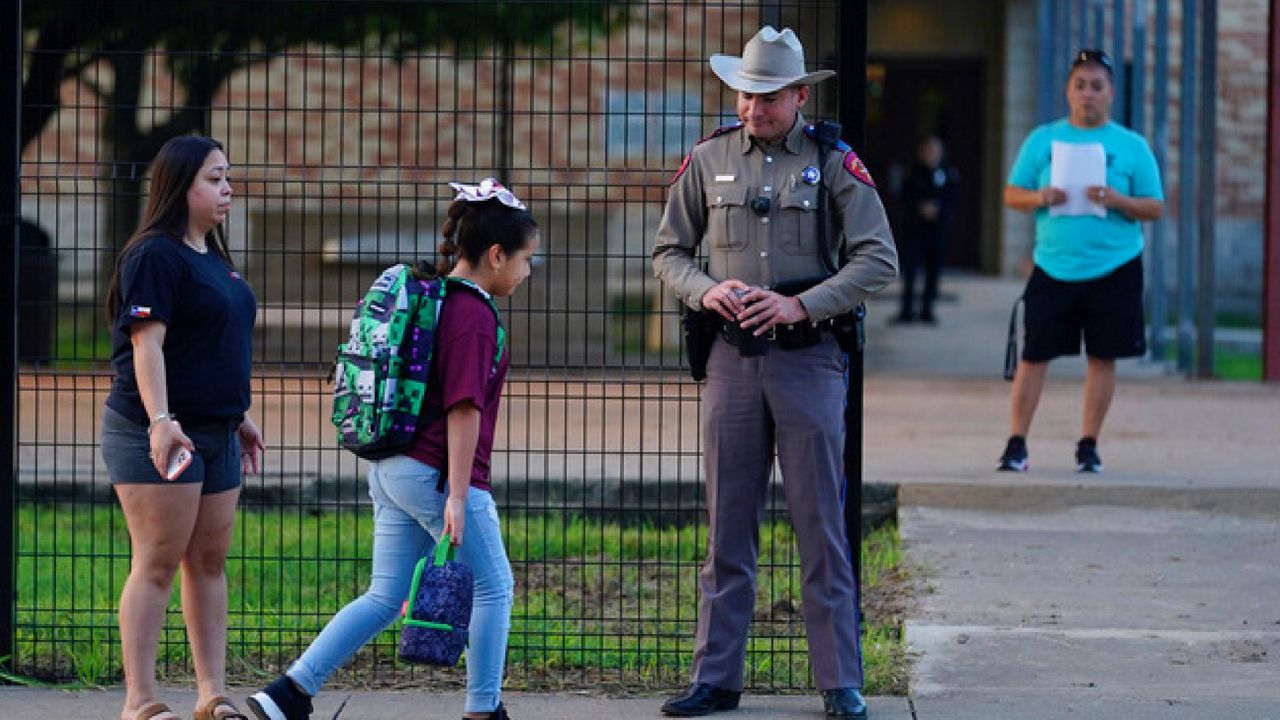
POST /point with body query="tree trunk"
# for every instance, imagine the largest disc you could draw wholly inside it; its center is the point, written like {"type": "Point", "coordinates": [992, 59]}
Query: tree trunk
{"type": "Point", "coordinates": [132, 150]}
{"type": "Point", "coordinates": [122, 176]}
{"type": "Point", "coordinates": [502, 127]}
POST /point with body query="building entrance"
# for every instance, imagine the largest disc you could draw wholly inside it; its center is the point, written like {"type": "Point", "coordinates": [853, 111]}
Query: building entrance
{"type": "Point", "coordinates": [910, 98]}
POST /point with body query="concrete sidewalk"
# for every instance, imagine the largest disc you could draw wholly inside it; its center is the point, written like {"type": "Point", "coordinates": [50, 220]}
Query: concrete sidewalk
{"type": "Point", "coordinates": [1095, 611]}
{"type": "Point", "coordinates": [1149, 592]}
{"type": "Point", "coordinates": [29, 704]}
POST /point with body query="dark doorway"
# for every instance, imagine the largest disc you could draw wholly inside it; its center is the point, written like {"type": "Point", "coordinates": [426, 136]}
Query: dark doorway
{"type": "Point", "coordinates": [911, 98]}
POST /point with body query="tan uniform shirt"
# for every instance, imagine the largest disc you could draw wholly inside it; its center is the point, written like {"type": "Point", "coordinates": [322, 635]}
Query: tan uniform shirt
{"type": "Point", "coordinates": [711, 200]}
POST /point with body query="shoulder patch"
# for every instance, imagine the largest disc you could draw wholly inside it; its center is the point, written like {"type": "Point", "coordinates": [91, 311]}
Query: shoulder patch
{"type": "Point", "coordinates": [857, 169]}
{"type": "Point", "coordinates": [722, 130]}
{"type": "Point", "coordinates": [852, 163]}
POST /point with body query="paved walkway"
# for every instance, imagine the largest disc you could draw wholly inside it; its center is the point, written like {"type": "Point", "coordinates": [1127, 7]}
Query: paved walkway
{"type": "Point", "coordinates": [1149, 592]}
{"type": "Point", "coordinates": [24, 704]}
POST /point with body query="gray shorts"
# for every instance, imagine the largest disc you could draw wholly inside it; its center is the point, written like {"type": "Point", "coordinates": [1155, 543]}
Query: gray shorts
{"type": "Point", "coordinates": [215, 465]}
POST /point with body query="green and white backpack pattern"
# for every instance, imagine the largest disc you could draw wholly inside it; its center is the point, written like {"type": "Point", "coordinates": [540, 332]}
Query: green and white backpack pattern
{"type": "Point", "coordinates": [380, 376]}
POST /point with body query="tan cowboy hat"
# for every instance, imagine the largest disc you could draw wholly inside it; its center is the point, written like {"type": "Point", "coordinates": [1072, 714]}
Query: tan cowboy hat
{"type": "Point", "coordinates": [771, 61]}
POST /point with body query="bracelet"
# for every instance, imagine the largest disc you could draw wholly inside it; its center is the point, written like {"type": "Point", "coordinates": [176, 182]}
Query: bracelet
{"type": "Point", "coordinates": [161, 417]}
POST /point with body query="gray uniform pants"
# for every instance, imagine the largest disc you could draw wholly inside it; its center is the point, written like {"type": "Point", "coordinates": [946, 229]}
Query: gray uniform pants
{"type": "Point", "coordinates": [794, 399]}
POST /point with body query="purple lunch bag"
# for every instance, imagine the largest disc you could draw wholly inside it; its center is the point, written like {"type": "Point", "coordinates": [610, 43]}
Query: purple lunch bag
{"type": "Point", "coordinates": [438, 610]}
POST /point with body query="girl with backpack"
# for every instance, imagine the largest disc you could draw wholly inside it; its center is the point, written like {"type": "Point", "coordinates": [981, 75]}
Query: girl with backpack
{"type": "Point", "coordinates": [441, 486]}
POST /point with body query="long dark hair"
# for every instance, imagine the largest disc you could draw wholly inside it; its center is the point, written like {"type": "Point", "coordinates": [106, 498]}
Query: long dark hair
{"type": "Point", "coordinates": [471, 228]}
{"type": "Point", "coordinates": [172, 172]}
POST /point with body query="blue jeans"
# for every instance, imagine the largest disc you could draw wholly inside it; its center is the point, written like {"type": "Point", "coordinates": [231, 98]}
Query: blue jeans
{"type": "Point", "coordinates": [408, 518]}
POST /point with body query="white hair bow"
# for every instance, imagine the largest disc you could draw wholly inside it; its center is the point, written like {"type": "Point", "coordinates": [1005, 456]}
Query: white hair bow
{"type": "Point", "coordinates": [487, 190]}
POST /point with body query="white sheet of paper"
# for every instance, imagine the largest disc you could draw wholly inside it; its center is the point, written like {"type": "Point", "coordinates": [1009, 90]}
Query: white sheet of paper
{"type": "Point", "coordinates": [1072, 168]}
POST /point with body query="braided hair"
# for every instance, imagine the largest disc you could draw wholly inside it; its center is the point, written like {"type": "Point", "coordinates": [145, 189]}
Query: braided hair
{"type": "Point", "coordinates": [471, 228]}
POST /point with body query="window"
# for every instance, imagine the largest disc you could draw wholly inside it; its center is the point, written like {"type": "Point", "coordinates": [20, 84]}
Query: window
{"type": "Point", "coordinates": [652, 123]}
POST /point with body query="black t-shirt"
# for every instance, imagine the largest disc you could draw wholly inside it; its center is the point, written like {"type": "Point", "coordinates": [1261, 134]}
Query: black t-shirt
{"type": "Point", "coordinates": [208, 311]}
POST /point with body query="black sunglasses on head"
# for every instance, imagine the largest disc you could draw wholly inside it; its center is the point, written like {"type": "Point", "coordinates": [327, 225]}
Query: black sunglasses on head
{"type": "Point", "coordinates": [1099, 57]}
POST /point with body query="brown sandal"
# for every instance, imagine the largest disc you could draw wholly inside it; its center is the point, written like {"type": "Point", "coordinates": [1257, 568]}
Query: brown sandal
{"type": "Point", "coordinates": [146, 712]}
{"type": "Point", "coordinates": [215, 702]}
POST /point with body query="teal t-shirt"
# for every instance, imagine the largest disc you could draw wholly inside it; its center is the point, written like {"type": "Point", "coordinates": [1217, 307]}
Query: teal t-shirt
{"type": "Point", "coordinates": [1084, 247]}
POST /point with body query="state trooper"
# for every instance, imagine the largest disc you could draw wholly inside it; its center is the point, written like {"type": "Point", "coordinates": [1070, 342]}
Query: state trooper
{"type": "Point", "coordinates": [749, 193]}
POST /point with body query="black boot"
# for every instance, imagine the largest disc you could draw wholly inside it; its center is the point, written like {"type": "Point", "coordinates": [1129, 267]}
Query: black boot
{"type": "Point", "coordinates": [844, 704]}
{"type": "Point", "coordinates": [499, 713]}
{"type": "Point", "coordinates": [701, 699]}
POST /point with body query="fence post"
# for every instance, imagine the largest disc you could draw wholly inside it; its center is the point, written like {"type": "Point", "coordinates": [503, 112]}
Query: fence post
{"type": "Point", "coordinates": [10, 87]}
{"type": "Point", "coordinates": [1046, 50]}
{"type": "Point", "coordinates": [1206, 260]}
{"type": "Point", "coordinates": [1271, 235]}
{"type": "Point", "coordinates": [1160, 145]}
{"type": "Point", "coordinates": [1122, 105]}
{"type": "Point", "coordinates": [852, 76]}
{"type": "Point", "coordinates": [1187, 191]}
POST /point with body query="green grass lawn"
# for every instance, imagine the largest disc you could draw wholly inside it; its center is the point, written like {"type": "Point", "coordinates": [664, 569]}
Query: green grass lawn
{"type": "Point", "coordinates": [1235, 365]}
{"type": "Point", "coordinates": [81, 339]}
{"type": "Point", "coordinates": [598, 604]}
{"type": "Point", "coordinates": [1228, 364]}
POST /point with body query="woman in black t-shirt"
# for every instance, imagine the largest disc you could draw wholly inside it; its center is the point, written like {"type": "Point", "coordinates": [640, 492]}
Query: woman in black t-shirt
{"type": "Point", "coordinates": [176, 434]}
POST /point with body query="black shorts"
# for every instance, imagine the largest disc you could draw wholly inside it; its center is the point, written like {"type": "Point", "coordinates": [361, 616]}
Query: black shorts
{"type": "Point", "coordinates": [1106, 312]}
{"type": "Point", "coordinates": [215, 464]}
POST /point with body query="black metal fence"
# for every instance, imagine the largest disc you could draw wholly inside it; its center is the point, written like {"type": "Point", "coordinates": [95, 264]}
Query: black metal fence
{"type": "Point", "coordinates": [344, 122]}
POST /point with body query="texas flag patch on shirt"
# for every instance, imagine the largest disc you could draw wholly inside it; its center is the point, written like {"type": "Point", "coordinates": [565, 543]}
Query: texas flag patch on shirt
{"type": "Point", "coordinates": [139, 311]}
{"type": "Point", "coordinates": [856, 168]}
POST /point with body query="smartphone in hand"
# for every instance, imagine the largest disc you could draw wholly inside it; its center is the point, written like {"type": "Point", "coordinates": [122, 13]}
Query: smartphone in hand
{"type": "Point", "coordinates": [179, 459]}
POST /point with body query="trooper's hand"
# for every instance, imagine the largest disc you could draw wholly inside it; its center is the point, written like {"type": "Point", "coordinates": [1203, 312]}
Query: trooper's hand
{"type": "Point", "coordinates": [727, 298]}
{"type": "Point", "coordinates": [766, 308]}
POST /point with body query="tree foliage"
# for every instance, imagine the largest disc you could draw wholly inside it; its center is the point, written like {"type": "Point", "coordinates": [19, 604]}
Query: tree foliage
{"type": "Point", "coordinates": [202, 43]}
{"type": "Point", "coordinates": [205, 41]}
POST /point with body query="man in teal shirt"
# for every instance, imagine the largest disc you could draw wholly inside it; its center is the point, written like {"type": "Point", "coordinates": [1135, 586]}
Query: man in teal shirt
{"type": "Point", "coordinates": [1087, 281]}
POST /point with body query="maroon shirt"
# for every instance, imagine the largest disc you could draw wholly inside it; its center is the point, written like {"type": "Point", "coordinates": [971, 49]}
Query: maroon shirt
{"type": "Point", "coordinates": [462, 370]}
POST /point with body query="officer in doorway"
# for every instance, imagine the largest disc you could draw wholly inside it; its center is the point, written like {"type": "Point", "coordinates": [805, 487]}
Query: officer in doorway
{"type": "Point", "coordinates": [929, 199]}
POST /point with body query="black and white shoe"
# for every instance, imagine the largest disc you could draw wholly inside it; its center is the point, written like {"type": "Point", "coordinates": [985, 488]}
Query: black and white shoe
{"type": "Point", "coordinates": [281, 700]}
{"type": "Point", "coordinates": [498, 714]}
{"type": "Point", "coordinates": [1014, 458]}
{"type": "Point", "coordinates": [1087, 458]}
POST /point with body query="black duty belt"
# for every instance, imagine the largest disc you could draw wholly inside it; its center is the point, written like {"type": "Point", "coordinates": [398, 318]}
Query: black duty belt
{"type": "Point", "coordinates": [795, 336]}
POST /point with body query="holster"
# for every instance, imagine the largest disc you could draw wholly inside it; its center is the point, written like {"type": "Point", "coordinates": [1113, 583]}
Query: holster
{"type": "Point", "coordinates": [849, 330]}
{"type": "Point", "coordinates": [700, 330]}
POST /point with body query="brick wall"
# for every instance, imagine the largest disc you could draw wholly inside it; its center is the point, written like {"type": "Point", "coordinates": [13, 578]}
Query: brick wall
{"type": "Point", "coordinates": [318, 127]}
